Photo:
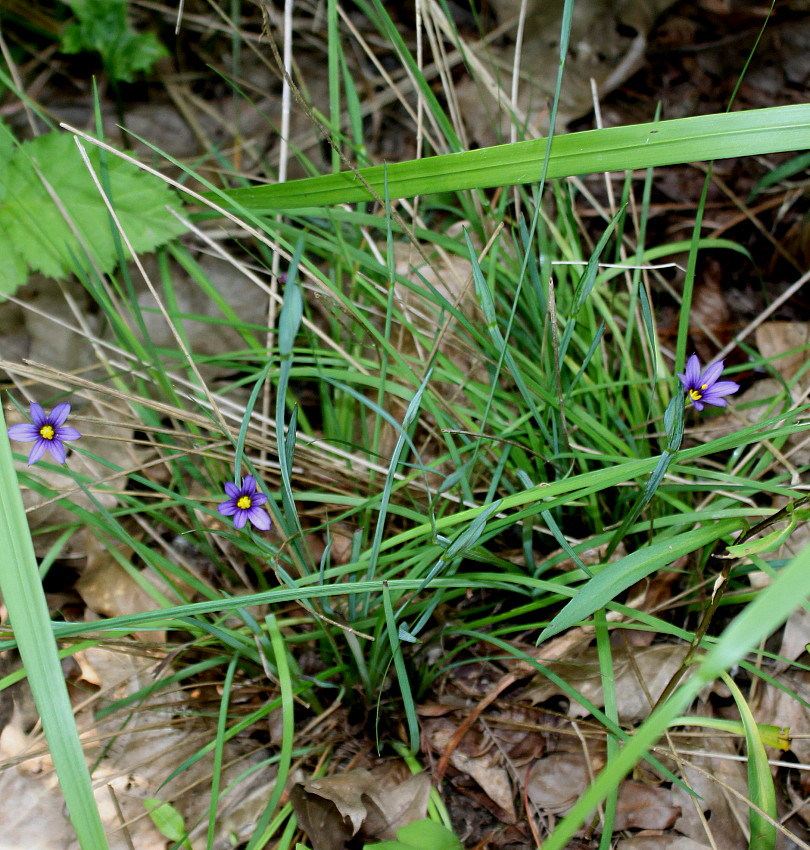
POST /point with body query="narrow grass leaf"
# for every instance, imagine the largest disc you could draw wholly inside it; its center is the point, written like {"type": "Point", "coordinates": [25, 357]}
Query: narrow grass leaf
{"type": "Point", "coordinates": [287, 730]}
{"type": "Point", "coordinates": [25, 600]}
{"type": "Point", "coordinates": [621, 574]}
{"type": "Point", "coordinates": [408, 704]}
{"type": "Point", "coordinates": [703, 137]}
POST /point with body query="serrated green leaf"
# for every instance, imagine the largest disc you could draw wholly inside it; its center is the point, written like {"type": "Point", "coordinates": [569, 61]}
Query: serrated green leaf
{"type": "Point", "coordinates": [103, 27]}
{"type": "Point", "coordinates": [33, 230]}
{"type": "Point", "coordinates": [419, 836]}
{"type": "Point", "coordinates": [6, 152]}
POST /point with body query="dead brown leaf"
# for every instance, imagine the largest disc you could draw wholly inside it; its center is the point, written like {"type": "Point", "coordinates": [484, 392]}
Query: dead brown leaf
{"type": "Point", "coordinates": [476, 758]}
{"type": "Point", "coordinates": [334, 809]}
{"type": "Point", "coordinates": [557, 781]}
{"type": "Point", "coordinates": [710, 779]}
{"type": "Point", "coordinates": [640, 678]}
{"type": "Point", "coordinates": [660, 842]}
{"type": "Point", "coordinates": [608, 42]}
{"type": "Point", "coordinates": [642, 806]}
{"type": "Point", "coordinates": [774, 339]}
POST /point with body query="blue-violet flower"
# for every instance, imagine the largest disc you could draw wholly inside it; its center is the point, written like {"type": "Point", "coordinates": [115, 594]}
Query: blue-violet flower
{"type": "Point", "coordinates": [705, 388]}
{"type": "Point", "coordinates": [48, 432]}
{"type": "Point", "coordinates": [243, 504]}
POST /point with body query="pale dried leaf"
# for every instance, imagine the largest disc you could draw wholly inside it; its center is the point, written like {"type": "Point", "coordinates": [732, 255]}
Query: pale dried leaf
{"type": "Point", "coordinates": [607, 44]}
{"type": "Point", "coordinates": [782, 709]}
{"type": "Point", "coordinates": [661, 842]}
{"type": "Point", "coordinates": [401, 803]}
{"type": "Point", "coordinates": [795, 637]}
{"type": "Point", "coordinates": [483, 765]}
{"type": "Point", "coordinates": [640, 678]}
{"type": "Point", "coordinates": [333, 809]}
{"type": "Point", "coordinates": [34, 816]}
{"type": "Point", "coordinates": [775, 338]}
{"type": "Point", "coordinates": [642, 806]}
{"type": "Point", "coordinates": [557, 781]}
{"type": "Point", "coordinates": [725, 811]}
{"type": "Point", "coordinates": [110, 591]}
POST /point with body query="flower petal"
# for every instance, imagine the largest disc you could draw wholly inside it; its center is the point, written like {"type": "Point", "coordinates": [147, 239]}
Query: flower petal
{"type": "Point", "coordinates": [232, 490]}
{"type": "Point", "coordinates": [249, 486]}
{"type": "Point", "coordinates": [240, 518]}
{"type": "Point", "coordinates": [259, 518]}
{"type": "Point", "coordinates": [721, 388]}
{"type": "Point", "coordinates": [66, 432]}
{"type": "Point", "coordinates": [38, 415]}
{"type": "Point", "coordinates": [59, 414]}
{"type": "Point", "coordinates": [24, 433]}
{"type": "Point", "coordinates": [698, 405]}
{"type": "Point", "coordinates": [258, 499]}
{"type": "Point", "coordinates": [36, 453]}
{"type": "Point", "coordinates": [692, 372]}
{"type": "Point", "coordinates": [711, 374]}
{"type": "Point", "coordinates": [227, 508]}
{"type": "Point", "coordinates": [57, 450]}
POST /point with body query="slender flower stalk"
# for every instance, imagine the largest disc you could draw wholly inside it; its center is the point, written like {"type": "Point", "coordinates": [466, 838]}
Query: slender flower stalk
{"type": "Point", "coordinates": [47, 432]}
{"type": "Point", "coordinates": [704, 388]}
{"type": "Point", "coordinates": [244, 504]}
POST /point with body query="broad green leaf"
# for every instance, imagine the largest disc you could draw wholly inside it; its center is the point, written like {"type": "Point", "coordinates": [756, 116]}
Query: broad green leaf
{"type": "Point", "coordinates": [621, 574]}
{"type": "Point", "coordinates": [167, 820]}
{"type": "Point", "coordinates": [420, 835]}
{"type": "Point", "coordinates": [731, 134]}
{"type": "Point", "coordinates": [33, 231]}
{"type": "Point", "coordinates": [102, 26]}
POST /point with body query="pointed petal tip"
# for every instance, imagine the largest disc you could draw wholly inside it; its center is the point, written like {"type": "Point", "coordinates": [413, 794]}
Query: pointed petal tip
{"type": "Point", "coordinates": [37, 451]}
{"type": "Point", "coordinates": [59, 414]}
{"type": "Point", "coordinates": [227, 508]}
{"type": "Point", "coordinates": [259, 518]}
{"type": "Point", "coordinates": [37, 414]}
{"type": "Point", "coordinates": [23, 433]}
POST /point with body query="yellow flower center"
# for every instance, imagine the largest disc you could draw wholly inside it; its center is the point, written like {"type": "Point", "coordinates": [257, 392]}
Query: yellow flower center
{"type": "Point", "coordinates": [697, 395]}
{"type": "Point", "coordinates": [243, 503]}
{"type": "Point", "coordinates": [47, 432]}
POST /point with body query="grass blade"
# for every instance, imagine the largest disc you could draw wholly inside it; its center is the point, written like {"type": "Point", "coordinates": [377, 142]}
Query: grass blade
{"type": "Point", "coordinates": [28, 611]}
{"type": "Point", "coordinates": [756, 131]}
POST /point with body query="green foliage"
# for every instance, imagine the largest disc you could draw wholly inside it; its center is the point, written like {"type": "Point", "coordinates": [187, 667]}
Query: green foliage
{"type": "Point", "coordinates": [102, 26]}
{"type": "Point", "coordinates": [419, 836]}
{"type": "Point", "coordinates": [471, 450]}
{"type": "Point", "coordinates": [24, 598]}
{"type": "Point", "coordinates": [53, 216]}
{"type": "Point", "coordinates": [167, 820]}
{"type": "Point", "coordinates": [779, 128]}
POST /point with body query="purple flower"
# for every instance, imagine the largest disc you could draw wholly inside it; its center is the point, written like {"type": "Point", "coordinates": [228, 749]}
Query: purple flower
{"type": "Point", "coordinates": [243, 504]}
{"type": "Point", "coordinates": [48, 432]}
{"type": "Point", "coordinates": [705, 388]}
